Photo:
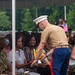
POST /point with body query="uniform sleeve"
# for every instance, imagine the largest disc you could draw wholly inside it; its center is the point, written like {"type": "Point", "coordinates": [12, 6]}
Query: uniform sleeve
{"type": "Point", "coordinates": [44, 36]}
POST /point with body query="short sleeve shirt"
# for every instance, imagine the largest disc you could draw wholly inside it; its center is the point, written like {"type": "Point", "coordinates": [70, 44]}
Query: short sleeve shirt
{"type": "Point", "coordinates": [55, 35]}
{"type": "Point", "coordinates": [19, 57]}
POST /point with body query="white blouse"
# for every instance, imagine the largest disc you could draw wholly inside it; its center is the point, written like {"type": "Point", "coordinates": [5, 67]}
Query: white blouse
{"type": "Point", "coordinates": [19, 57]}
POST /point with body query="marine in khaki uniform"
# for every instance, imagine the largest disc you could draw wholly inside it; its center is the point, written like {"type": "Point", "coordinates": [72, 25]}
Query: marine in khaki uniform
{"type": "Point", "coordinates": [57, 39]}
{"type": "Point", "coordinates": [55, 35]}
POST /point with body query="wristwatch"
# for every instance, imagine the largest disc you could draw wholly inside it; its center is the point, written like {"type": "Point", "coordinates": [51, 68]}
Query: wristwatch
{"type": "Point", "coordinates": [46, 56]}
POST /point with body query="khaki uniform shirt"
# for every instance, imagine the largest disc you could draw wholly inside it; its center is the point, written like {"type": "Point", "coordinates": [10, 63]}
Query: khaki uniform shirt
{"type": "Point", "coordinates": [55, 35]}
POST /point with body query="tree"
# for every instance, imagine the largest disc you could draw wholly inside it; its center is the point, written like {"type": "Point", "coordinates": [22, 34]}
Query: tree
{"type": "Point", "coordinates": [27, 21]}
{"type": "Point", "coordinates": [54, 15]}
{"type": "Point", "coordinates": [71, 17]}
{"type": "Point", "coordinates": [5, 24]}
{"type": "Point", "coordinates": [18, 19]}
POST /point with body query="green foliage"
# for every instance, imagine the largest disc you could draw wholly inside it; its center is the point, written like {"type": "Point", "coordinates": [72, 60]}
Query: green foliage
{"type": "Point", "coordinates": [27, 21]}
{"type": "Point", "coordinates": [71, 17]}
{"type": "Point", "coordinates": [53, 17]}
{"type": "Point", "coordinates": [18, 19]}
{"type": "Point", "coordinates": [5, 24]}
{"type": "Point", "coordinates": [25, 17]}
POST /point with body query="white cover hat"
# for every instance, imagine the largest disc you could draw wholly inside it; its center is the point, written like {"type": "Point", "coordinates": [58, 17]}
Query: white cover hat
{"type": "Point", "coordinates": [39, 19]}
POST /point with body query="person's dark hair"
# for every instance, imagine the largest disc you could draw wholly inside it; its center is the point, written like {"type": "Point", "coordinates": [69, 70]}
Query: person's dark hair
{"type": "Point", "coordinates": [19, 33]}
{"type": "Point", "coordinates": [9, 36]}
{"type": "Point", "coordinates": [69, 29]}
{"type": "Point", "coordinates": [17, 37]}
{"type": "Point", "coordinates": [65, 21]}
{"type": "Point", "coordinates": [28, 38]}
{"type": "Point", "coordinates": [55, 23]}
{"type": "Point", "coordinates": [25, 33]}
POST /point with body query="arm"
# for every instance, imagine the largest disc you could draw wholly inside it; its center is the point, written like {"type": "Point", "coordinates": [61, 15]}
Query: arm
{"type": "Point", "coordinates": [47, 61]}
{"type": "Point", "coordinates": [18, 66]}
{"type": "Point", "coordinates": [39, 51]}
{"type": "Point", "coordinates": [73, 53]}
{"type": "Point", "coordinates": [9, 66]}
{"type": "Point", "coordinates": [45, 56]}
{"type": "Point", "coordinates": [50, 52]}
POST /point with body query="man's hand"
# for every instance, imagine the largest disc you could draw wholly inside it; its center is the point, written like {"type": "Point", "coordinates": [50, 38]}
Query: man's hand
{"type": "Point", "coordinates": [34, 63]}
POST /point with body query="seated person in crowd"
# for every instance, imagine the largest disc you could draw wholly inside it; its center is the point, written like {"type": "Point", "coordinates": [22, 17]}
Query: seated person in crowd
{"type": "Point", "coordinates": [30, 45]}
{"type": "Point", "coordinates": [20, 59]}
{"type": "Point", "coordinates": [72, 58]}
{"type": "Point", "coordinates": [6, 48]}
{"type": "Point", "coordinates": [5, 66]}
{"type": "Point", "coordinates": [70, 35]}
{"type": "Point", "coordinates": [29, 49]}
{"type": "Point", "coordinates": [73, 53]}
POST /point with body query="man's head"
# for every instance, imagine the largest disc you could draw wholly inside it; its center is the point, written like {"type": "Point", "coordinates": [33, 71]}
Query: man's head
{"type": "Point", "coordinates": [41, 21]}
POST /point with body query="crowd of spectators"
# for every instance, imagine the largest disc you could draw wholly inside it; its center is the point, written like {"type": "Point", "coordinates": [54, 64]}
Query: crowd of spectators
{"type": "Point", "coordinates": [26, 45]}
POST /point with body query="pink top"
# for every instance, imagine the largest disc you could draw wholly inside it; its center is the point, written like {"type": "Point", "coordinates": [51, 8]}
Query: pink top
{"type": "Point", "coordinates": [65, 27]}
